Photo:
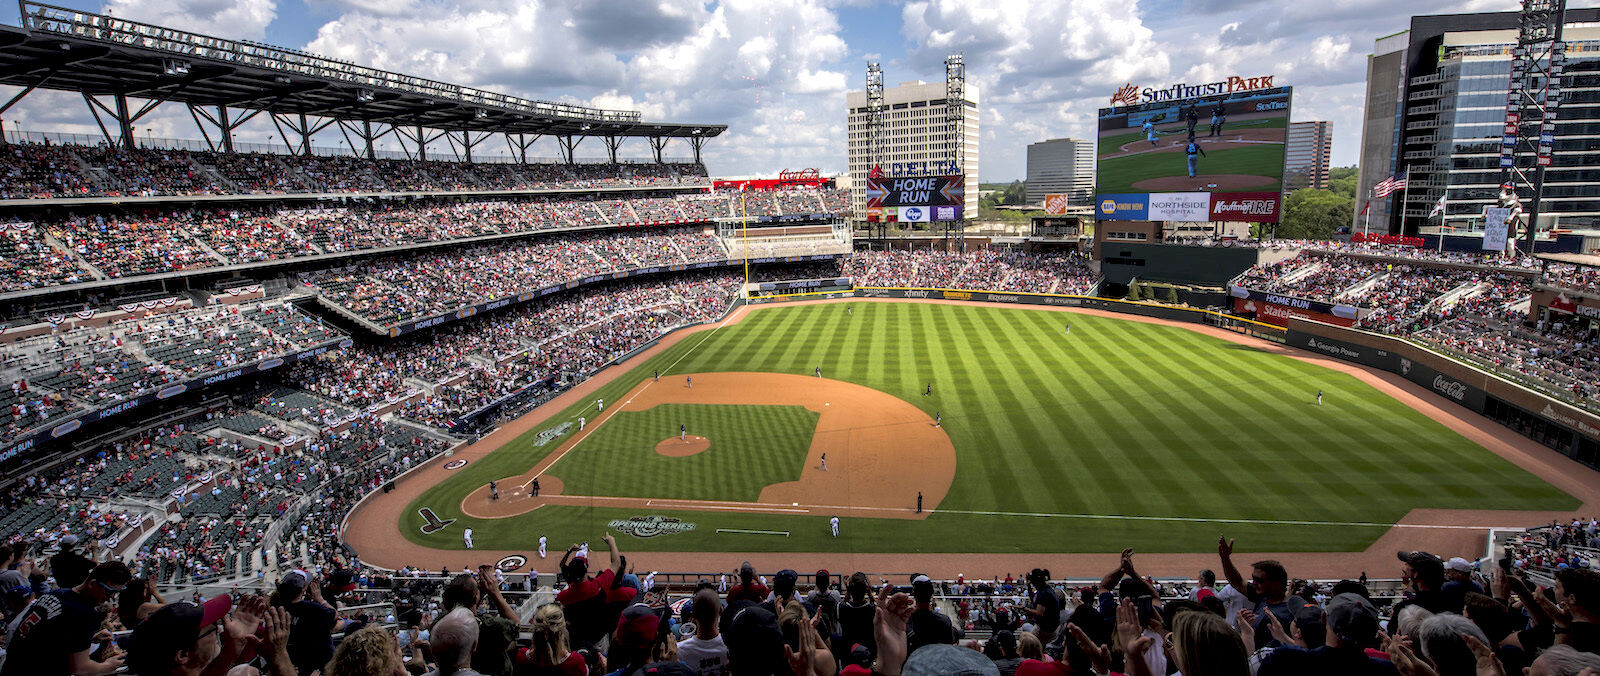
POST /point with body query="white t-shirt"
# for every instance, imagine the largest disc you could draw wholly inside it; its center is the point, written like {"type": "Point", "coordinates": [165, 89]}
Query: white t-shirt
{"type": "Point", "coordinates": [707, 657]}
{"type": "Point", "coordinates": [1234, 601]}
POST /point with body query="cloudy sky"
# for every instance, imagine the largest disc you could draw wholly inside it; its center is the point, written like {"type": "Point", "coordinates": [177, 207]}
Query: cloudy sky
{"type": "Point", "coordinates": [776, 71]}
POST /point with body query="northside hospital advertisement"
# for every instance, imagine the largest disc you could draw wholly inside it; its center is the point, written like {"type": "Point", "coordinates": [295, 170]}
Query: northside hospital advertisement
{"type": "Point", "coordinates": [1206, 152]}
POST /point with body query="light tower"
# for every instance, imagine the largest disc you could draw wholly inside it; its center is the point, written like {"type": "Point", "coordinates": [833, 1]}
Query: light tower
{"type": "Point", "coordinates": [955, 126]}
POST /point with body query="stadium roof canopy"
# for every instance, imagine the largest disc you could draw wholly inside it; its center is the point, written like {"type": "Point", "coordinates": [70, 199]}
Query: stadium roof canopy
{"type": "Point", "coordinates": [99, 55]}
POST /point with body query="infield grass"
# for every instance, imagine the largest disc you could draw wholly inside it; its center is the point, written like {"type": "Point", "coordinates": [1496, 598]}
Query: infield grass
{"type": "Point", "coordinates": [1058, 438]}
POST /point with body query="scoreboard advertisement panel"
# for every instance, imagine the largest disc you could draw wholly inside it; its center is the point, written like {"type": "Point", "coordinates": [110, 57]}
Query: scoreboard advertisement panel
{"type": "Point", "coordinates": [916, 199]}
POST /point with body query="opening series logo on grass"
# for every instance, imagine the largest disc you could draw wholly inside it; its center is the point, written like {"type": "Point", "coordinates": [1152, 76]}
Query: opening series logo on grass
{"type": "Point", "coordinates": [651, 526]}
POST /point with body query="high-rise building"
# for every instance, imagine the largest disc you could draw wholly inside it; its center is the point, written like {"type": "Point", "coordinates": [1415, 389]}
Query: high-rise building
{"type": "Point", "coordinates": [1061, 165]}
{"type": "Point", "coordinates": [1436, 107]}
{"type": "Point", "coordinates": [1306, 154]}
{"type": "Point", "coordinates": [914, 129]}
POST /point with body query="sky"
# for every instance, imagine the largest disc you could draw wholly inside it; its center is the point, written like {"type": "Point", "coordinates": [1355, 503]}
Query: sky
{"type": "Point", "coordinates": [776, 71]}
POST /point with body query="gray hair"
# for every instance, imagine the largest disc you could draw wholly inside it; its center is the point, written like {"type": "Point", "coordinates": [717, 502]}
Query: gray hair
{"type": "Point", "coordinates": [1410, 619]}
{"type": "Point", "coordinates": [1564, 660]}
{"type": "Point", "coordinates": [1440, 638]}
{"type": "Point", "coordinates": [453, 639]}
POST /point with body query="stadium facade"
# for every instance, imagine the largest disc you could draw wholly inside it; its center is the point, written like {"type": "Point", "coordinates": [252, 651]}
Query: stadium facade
{"type": "Point", "coordinates": [1061, 166]}
{"type": "Point", "coordinates": [1307, 154]}
{"type": "Point", "coordinates": [915, 132]}
{"type": "Point", "coordinates": [1435, 106]}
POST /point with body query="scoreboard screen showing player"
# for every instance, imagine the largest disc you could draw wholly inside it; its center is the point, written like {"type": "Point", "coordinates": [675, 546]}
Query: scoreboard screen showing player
{"type": "Point", "coordinates": [1209, 158]}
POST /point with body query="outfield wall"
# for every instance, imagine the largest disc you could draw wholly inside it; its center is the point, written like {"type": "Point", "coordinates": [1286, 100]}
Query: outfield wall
{"type": "Point", "coordinates": [1566, 428]}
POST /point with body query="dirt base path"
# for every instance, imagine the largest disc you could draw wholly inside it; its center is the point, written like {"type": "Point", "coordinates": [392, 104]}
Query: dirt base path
{"type": "Point", "coordinates": [372, 526]}
{"type": "Point", "coordinates": [871, 450]}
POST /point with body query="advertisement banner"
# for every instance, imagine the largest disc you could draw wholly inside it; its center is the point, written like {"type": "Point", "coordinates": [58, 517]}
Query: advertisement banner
{"type": "Point", "coordinates": [947, 213]}
{"type": "Point", "coordinates": [1123, 207]}
{"type": "Point", "coordinates": [915, 214]}
{"type": "Point", "coordinates": [1056, 204]}
{"type": "Point", "coordinates": [1250, 207]}
{"type": "Point", "coordinates": [1446, 386]}
{"type": "Point", "coordinates": [1180, 206]}
{"type": "Point", "coordinates": [1340, 311]}
{"type": "Point", "coordinates": [903, 191]}
{"type": "Point", "coordinates": [1279, 315]}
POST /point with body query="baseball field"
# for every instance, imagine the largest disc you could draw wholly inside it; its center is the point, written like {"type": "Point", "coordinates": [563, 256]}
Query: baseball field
{"type": "Point", "coordinates": [1032, 439]}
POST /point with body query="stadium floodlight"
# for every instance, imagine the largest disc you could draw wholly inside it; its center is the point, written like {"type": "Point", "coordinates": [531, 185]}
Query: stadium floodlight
{"type": "Point", "coordinates": [480, 113]}
{"type": "Point", "coordinates": [365, 95]}
{"type": "Point", "coordinates": [174, 67]}
{"type": "Point", "coordinates": [66, 46]}
{"type": "Point", "coordinates": [283, 79]}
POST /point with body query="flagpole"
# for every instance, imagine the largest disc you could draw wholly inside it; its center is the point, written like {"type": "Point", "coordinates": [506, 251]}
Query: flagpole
{"type": "Point", "coordinates": [1405, 198]}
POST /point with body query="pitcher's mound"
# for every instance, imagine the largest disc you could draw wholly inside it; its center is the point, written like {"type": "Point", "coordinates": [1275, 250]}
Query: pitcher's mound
{"type": "Point", "coordinates": [674, 447]}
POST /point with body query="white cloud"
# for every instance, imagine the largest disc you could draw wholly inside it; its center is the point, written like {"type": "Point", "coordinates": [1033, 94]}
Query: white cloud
{"type": "Point", "coordinates": [239, 19]}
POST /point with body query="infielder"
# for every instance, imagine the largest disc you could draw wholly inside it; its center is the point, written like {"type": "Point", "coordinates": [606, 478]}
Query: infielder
{"type": "Point", "coordinates": [937, 419]}
{"type": "Point", "coordinates": [1191, 117]}
{"type": "Point", "coordinates": [919, 502]}
{"type": "Point", "coordinates": [494, 491]}
{"type": "Point", "coordinates": [467, 536]}
{"type": "Point", "coordinates": [658, 375]}
{"type": "Point", "coordinates": [834, 522]}
{"type": "Point", "coordinates": [1195, 152]}
{"type": "Point", "coordinates": [824, 462]}
{"type": "Point", "coordinates": [689, 382]}
{"type": "Point", "coordinates": [1219, 116]}
{"type": "Point", "coordinates": [542, 541]}
{"type": "Point", "coordinates": [819, 371]}
{"type": "Point", "coordinates": [683, 433]}
{"type": "Point", "coordinates": [1150, 132]}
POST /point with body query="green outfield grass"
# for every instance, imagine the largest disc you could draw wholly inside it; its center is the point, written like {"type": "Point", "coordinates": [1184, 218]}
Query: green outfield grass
{"type": "Point", "coordinates": [751, 447]}
{"type": "Point", "coordinates": [1117, 175]}
{"type": "Point", "coordinates": [1059, 440]}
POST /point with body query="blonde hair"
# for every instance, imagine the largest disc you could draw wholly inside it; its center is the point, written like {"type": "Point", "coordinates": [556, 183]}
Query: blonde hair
{"type": "Point", "coordinates": [372, 650]}
{"type": "Point", "coordinates": [1205, 645]}
{"type": "Point", "coordinates": [1029, 647]}
{"type": "Point", "coordinates": [549, 625]}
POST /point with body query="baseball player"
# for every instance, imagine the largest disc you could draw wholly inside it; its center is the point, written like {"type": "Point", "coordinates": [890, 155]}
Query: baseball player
{"type": "Point", "coordinates": [1150, 132]}
{"type": "Point", "coordinates": [849, 311]}
{"type": "Point", "coordinates": [928, 392]}
{"type": "Point", "coordinates": [581, 422]}
{"type": "Point", "coordinates": [599, 405]}
{"type": "Point", "coordinates": [494, 491]}
{"type": "Point", "coordinates": [467, 535]}
{"type": "Point", "coordinates": [535, 487]}
{"type": "Point", "coordinates": [1195, 152]}
{"type": "Point", "coordinates": [658, 375]}
{"type": "Point", "coordinates": [834, 522]}
{"type": "Point", "coordinates": [1219, 116]}
{"type": "Point", "coordinates": [689, 381]}
{"type": "Point", "coordinates": [1319, 397]}
{"type": "Point", "coordinates": [937, 419]}
{"type": "Point", "coordinates": [919, 502]}
{"type": "Point", "coordinates": [824, 462]}
{"type": "Point", "coordinates": [1067, 332]}
{"type": "Point", "coordinates": [542, 541]}
{"type": "Point", "coordinates": [1191, 117]}
{"type": "Point", "coordinates": [683, 433]}
{"type": "Point", "coordinates": [819, 371]}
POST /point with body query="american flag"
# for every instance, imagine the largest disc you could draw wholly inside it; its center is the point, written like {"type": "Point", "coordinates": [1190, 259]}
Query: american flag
{"type": "Point", "coordinates": [1389, 186]}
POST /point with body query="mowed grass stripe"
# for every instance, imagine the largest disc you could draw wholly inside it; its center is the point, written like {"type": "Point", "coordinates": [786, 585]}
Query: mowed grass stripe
{"type": "Point", "coordinates": [1118, 417]}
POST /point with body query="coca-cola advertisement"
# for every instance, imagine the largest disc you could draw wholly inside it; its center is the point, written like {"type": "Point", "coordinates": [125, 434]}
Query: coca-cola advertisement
{"type": "Point", "coordinates": [1251, 207]}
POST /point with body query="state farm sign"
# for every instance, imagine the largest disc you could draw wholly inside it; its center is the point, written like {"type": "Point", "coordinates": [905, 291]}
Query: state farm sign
{"type": "Point", "coordinates": [1250, 207]}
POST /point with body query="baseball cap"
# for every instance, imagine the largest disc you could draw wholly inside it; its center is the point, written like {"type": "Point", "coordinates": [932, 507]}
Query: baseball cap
{"type": "Point", "coordinates": [69, 540]}
{"type": "Point", "coordinates": [941, 659]}
{"type": "Point", "coordinates": [1006, 640]}
{"type": "Point", "coordinates": [783, 582]}
{"type": "Point", "coordinates": [13, 584]}
{"type": "Point", "coordinates": [1308, 615]}
{"type": "Point", "coordinates": [859, 655]}
{"type": "Point", "coordinates": [755, 642]}
{"type": "Point", "coordinates": [297, 579]}
{"type": "Point", "coordinates": [1458, 564]}
{"type": "Point", "coordinates": [637, 626]}
{"type": "Point", "coordinates": [822, 574]}
{"type": "Point", "coordinates": [1205, 593]}
{"type": "Point", "coordinates": [175, 627]}
{"type": "Point", "coordinates": [1426, 565]}
{"type": "Point", "coordinates": [1352, 618]}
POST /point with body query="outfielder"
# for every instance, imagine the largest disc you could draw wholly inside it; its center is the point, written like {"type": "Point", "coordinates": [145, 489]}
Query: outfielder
{"type": "Point", "coordinates": [937, 419]}
{"type": "Point", "coordinates": [581, 422]}
{"type": "Point", "coordinates": [1150, 132]}
{"type": "Point", "coordinates": [819, 371]}
{"type": "Point", "coordinates": [928, 392]}
{"type": "Point", "coordinates": [467, 536]}
{"type": "Point", "coordinates": [1319, 397]}
{"type": "Point", "coordinates": [834, 522]}
{"type": "Point", "coordinates": [1194, 159]}
{"type": "Point", "coordinates": [599, 405]}
{"type": "Point", "coordinates": [542, 541]}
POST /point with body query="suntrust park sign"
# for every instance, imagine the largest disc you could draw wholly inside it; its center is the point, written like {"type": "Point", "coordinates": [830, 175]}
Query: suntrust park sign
{"type": "Point", "coordinates": [1131, 95]}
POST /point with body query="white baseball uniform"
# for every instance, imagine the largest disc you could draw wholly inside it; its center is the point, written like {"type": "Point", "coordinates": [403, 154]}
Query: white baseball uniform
{"type": "Point", "coordinates": [599, 405]}
{"type": "Point", "coordinates": [835, 523]}
{"type": "Point", "coordinates": [468, 537]}
{"type": "Point", "coordinates": [542, 540]}
{"type": "Point", "coordinates": [582, 422]}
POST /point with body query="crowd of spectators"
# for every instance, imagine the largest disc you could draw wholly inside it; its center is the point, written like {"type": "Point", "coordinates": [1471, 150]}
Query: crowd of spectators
{"type": "Point", "coordinates": [986, 269]}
